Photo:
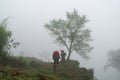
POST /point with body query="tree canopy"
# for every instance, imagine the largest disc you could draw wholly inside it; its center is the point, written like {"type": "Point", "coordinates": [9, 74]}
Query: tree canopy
{"type": "Point", "coordinates": [72, 33]}
{"type": "Point", "coordinates": [6, 42]}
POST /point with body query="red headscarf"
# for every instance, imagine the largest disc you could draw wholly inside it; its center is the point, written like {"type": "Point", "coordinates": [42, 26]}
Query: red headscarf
{"type": "Point", "coordinates": [56, 52]}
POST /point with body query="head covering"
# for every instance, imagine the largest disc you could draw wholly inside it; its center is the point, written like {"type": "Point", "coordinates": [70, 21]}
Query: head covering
{"type": "Point", "coordinates": [56, 52]}
{"type": "Point", "coordinates": [62, 50]}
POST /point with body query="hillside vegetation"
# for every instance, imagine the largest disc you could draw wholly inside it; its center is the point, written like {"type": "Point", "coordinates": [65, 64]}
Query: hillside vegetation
{"type": "Point", "coordinates": [30, 68]}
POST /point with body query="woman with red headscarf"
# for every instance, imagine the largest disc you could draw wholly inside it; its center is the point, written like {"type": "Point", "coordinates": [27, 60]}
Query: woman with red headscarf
{"type": "Point", "coordinates": [56, 57]}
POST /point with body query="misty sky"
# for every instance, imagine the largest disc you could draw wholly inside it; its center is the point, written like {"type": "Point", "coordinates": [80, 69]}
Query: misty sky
{"type": "Point", "coordinates": [28, 17]}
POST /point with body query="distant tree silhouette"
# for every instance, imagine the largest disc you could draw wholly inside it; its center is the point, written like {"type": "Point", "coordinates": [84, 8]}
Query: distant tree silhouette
{"type": "Point", "coordinates": [114, 59]}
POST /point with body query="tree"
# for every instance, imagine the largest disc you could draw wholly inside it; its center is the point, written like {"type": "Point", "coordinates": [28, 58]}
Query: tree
{"type": "Point", "coordinates": [72, 33]}
{"type": "Point", "coordinates": [6, 42]}
{"type": "Point", "coordinates": [114, 59]}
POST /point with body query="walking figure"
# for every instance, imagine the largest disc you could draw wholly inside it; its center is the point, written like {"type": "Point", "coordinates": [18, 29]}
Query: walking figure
{"type": "Point", "coordinates": [56, 58]}
{"type": "Point", "coordinates": [63, 55]}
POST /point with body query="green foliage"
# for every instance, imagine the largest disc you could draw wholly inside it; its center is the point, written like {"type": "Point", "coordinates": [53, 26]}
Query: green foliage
{"type": "Point", "coordinates": [68, 70]}
{"type": "Point", "coordinates": [4, 37]}
{"type": "Point", "coordinates": [6, 42]}
{"type": "Point", "coordinates": [72, 33]}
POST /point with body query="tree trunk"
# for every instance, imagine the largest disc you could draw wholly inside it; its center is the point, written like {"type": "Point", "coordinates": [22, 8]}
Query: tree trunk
{"type": "Point", "coordinates": [69, 54]}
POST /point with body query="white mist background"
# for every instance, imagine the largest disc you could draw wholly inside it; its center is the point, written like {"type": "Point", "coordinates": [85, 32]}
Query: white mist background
{"type": "Point", "coordinates": [28, 17]}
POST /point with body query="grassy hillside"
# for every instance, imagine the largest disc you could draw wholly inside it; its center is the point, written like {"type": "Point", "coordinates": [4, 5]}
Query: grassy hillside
{"type": "Point", "coordinates": [29, 68]}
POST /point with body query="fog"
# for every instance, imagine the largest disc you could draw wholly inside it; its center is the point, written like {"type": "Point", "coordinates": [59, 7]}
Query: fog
{"type": "Point", "coordinates": [28, 17]}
